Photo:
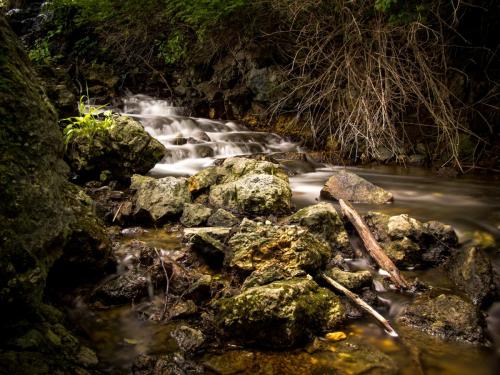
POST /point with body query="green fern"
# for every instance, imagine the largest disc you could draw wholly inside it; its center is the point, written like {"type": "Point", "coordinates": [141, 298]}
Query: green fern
{"type": "Point", "coordinates": [87, 124]}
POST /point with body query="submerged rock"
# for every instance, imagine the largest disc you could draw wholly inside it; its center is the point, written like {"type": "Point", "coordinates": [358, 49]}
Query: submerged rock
{"type": "Point", "coordinates": [158, 199]}
{"type": "Point", "coordinates": [409, 242]}
{"type": "Point", "coordinates": [279, 314]}
{"type": "Point", "coordinates": [122, 149]}
{"type": "Point", "coordinates": [353, 188]}
{"type": "Point", "coordinates": [195, 214]}
{"type": "Point", "coordinates": [446, 316]}
{"type": "Point", "coordinates": [472, 272]}
{"type": "Point", "coordinates": [323, 219]}
{"type": "Point", "coordinates": [261, 246]}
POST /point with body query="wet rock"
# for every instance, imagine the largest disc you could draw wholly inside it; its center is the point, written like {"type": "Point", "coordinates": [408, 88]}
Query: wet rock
{"type": "Point", "coordinates": [323, 219]}
{"type": "Point", "coordinates": [269, 274]}
{"type": "Point", "coordinates": [353, 188]}
{"type": "Point", "coordinates": [123, 149]}
{"type": "Point", "coordinates": [351, 280]}
{"type": "Point", "coordinates": [409, 242]}
{"type": "Point", "coordinates": [352, 357]}
{"type": "Point", "coordinates": [222, 218]}
{"type": "Point", "coordinates": [446, 316]}
{"type": "Point", "coordinates": [260, 246]}
{"type": "Point", "coordinates": [188, 339]}
{"type": "Point", "coordinates": [122, 288]}
{"type": "Point", "coordinates": [195, 214]}
{"type": "Point", "coordinates": [255, 194]}
{"type": "Point", "coordinates": [159, 199]}
{"type": "Point", "coordinates": [279, 314]}
{"type": "Point", "coordinates": [472, 272]}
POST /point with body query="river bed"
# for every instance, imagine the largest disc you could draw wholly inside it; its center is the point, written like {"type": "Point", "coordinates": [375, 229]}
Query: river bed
{"type": "Point", "coordinates": [471, 204]}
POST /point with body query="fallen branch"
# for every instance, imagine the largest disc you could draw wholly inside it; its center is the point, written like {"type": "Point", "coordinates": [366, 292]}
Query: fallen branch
{"type": "Point", "coordinates": [372, 246]}
{"type": "Point", "coordinates": [117, 212]}
{"type": "Point", "coordinates": [362, 304]}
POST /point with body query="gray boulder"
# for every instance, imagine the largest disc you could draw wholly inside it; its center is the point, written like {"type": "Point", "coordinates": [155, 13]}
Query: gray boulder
{"type": "Point", "coordinates": [353, 188]}
{"type": "Point", "coordinates": [158, 199]}
{"type": "Point", "coordinates": [279, 314]}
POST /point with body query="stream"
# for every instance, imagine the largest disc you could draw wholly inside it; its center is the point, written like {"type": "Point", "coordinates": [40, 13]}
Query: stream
{"type": "Point", "coordinates": [471, 204]}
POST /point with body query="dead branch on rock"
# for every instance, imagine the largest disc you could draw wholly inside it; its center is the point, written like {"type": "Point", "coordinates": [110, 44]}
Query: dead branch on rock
{"type": "Point", "coordinates": [362, 304]}
{"type": "Point", "coordinates": [372, 246]}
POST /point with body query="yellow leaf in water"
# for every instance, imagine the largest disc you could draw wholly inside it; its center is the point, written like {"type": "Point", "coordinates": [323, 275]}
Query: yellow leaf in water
{"type": "Point", "coordinates": [336, 336]}
{"type": "Point", "coordinates": [314, 361]}
{"type": "Point", "coordinates": [131, 341]}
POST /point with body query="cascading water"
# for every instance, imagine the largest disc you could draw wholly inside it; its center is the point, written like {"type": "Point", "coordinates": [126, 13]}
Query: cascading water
{"type": "Point", "coordinates": [194, 143]}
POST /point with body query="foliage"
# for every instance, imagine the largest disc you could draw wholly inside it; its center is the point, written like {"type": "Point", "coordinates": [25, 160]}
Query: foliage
{"type": "Point", "coordinates": [87, 124]}
{"type": "Point", "coordinates": [40, 53]}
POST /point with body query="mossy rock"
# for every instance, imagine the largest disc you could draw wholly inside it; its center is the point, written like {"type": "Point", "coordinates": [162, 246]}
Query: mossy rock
{"type": "Point", "coordinates": [120, 150]}
{"type": "Point", "coordinates": [279, 314]}
{"type": "Point", "coordinates": [257, 246]}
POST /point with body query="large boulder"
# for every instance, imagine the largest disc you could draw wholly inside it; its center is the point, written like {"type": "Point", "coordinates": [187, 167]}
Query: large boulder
{"type": "Point", "coordinates": [37, 218]}
{"type": "Point", "coordinates": [353, 188]}
{"type": "Point", "coordinates": [158, 199]}
{"type": "Point", "coordinates": [446, 316]}
{"type": "Point", "coordinates": [279, 314]}
{"type": "Point", "coordinates": [409, 242]}
{"type": "Point", "coordinates": [257, 246]}
{"type": "Point", "coordinates": [322, 219]}
{"type": "Point", "coordinates": [120, 150]}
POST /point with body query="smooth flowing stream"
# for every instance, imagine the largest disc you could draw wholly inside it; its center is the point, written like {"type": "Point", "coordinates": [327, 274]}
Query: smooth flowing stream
{"type": "Point", "coordinates": [470, 204]}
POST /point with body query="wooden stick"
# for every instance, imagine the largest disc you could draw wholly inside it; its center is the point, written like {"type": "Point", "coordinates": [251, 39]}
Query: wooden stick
{"type": "Point", "coordinates": [372, 246]}
{"type": "Point", "coordinates": [358, 301]}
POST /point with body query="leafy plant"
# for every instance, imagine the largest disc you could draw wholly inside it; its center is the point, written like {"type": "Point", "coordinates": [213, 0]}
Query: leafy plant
{"type": "Point", "coordinates": [88, 123]}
